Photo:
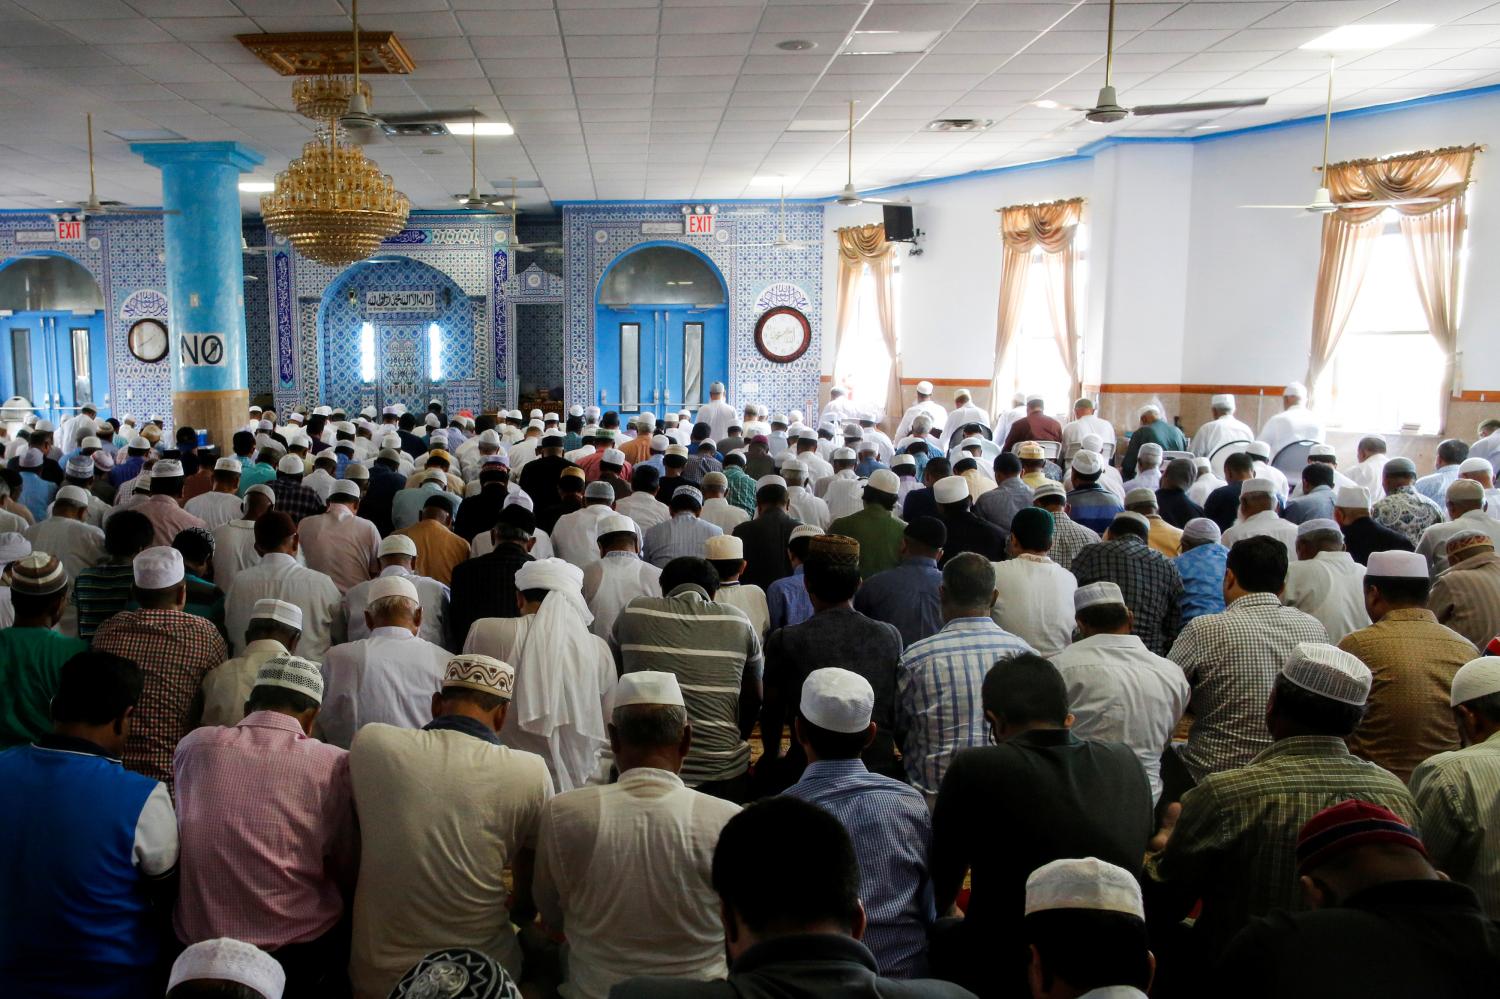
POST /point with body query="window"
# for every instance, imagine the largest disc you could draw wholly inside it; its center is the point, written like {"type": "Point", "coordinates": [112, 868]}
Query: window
{"type": "Point", "coordinates": [1388, 373]}
{"type": "Point", "coordinates": [434, 353]}
{"type": "Point", "coordinates": [692, 364]}
{"type": "Point", "coordinates": [630, 366]}
{"type": "Point", "coordinates": [367, 352]}
{"type": "Point", "coordinates": [1036, 365]}
{"type": "Point", "coordinates": [20, 355]}
{"type": "Point", "coordinates": [83, 386]}
{"type": "Point", "coordinates": [863, 361]}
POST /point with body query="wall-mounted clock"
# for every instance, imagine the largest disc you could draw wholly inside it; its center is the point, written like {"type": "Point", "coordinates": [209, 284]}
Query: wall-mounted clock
{"type": "Point", "coordinates": [148, 340]}
{"type": "Point", "coordinates": [783, 334]}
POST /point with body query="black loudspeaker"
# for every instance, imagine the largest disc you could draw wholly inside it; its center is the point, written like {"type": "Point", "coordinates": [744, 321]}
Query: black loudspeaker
{"type": "Point", "coordinates": [898, 223]}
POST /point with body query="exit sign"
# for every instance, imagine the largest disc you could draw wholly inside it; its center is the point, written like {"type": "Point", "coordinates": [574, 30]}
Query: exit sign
{"type": "Point", "coordinates": [699, 225]}
{"type": "Point", "coordinates": [69, 230]}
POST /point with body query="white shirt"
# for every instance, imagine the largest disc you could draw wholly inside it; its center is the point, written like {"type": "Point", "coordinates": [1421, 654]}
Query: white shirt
{"type": "Point", "coordinates": [432, 596]}
{"type": "Point", "coordinates": [1205, 483]}
{"type": "Point", "coordinates": [541, 544]}
{"type": "Point", "coordinates": [1265, 471]}
{"type": "Point", "coordinates": [1331, 587]}
{"type": "Point", "coordinates": [575, 536]}
{"type": "Point", "coordinates": [718, 414]}
{"type": "Point", "coordinates": [1216, 433]}
{"type": "Point", "coordinates": [844, 495]}
{"type": "Point", "coordinates": [817, 466]}
{"type": "Point", "coordinates": [214, 509]}
{"type": "Point", "coordinates": [645, 509]}
{"type": "Point", "coordinates": [1035, 602]}
{"type": "Point", "coordinates": [319, 482]}
{"type": "Point", "coordinates": [808, 508]}
{"type": "Point", "coordinates": [1370, 473]}
{"type": "Point", "coordinates": [227, 687]}
{"type": "Point", "coordinates": [838, 411]}
{"type": "Point", "coordinates": [749, 598]}
{"type": "Point", "coordinates": [341, 545]}
{"type": "Point", "coordinates": [389, 677]}
{"type": "Point", "coordinates": [521, 453]}
{"type": "Point", "coordinates": [928, 408]}
{"type": "Point", "coordinates": [1268, 523]}
{"type": "Point", "coordinates": [1074, 433]}
{"type": "Point", "coordinates": [1120, 691]}
{"type": "Point", "coordinates": [600, 870]}
{"type": "Point", "coordinates": [78, 546]}
{"type": "Point", "coordinates": [1145, 478]}
{"type": "Point", "coordinates": [234, 550]}
{"type": "Point", "coordinates": [278, 575]}
{"type": "Point", "coordinates": [612, 582]}
{"type": "Point", "coordinates": [1434, 542]}
{"type": "Point", "coordinates": [722, 514]}
{"type": "Point", "coordinates": [1291, 425]}
{"type": "Point", "coordinates": [965, 415]}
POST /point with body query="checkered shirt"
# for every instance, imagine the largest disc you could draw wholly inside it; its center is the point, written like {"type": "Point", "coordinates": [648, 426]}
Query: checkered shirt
{"type": "Point", "coordinates": [741, 492]}
{"type": "Point", "coordinates": [295, 500]}
{"type": "Point", "coordinates": [1148, 581]}
{"type": "Point", "coordinates": [1068, 539]}
{"type": "Point", "coordinates": [174, 650]}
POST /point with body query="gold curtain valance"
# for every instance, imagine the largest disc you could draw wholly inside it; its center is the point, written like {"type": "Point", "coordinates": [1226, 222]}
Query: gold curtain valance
{"type": "Point", "coordinates": [1442, 174]}
{"type": "Point", "coordinates": [863, 242]}
{"type": "Point", "coordinates": [1050, 226]}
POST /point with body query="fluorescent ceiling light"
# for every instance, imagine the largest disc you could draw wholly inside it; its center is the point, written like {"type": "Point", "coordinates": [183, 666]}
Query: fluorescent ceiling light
{"type": "Point", "coordinates": [818, 125]}
{"type": "Point", "coordinates": [889, 42]}
{"type": "Point", "coordinates": [1048, 103]}
{"type": "Point", "coordinates": [481, 128]}
{"type": "Point", "coordinates": [257, 186]}
{"type": "Point", "coordinates": [1365, 36]}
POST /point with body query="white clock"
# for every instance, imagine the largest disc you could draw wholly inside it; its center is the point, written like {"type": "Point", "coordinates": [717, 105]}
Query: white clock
{"type": "Point", "coordinates": [147, 340]}
{"type": "Point", "coordinates": [783, 334]}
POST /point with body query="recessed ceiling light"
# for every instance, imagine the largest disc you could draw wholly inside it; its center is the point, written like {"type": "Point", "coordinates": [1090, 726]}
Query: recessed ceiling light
{"type": "Point", "coordinates": [1365, 36]}
{"type": "Point", "coordinates": [257, 186]}
{"type": "Point", "coordinates": [959, 124]}
{"type": "Point", "coordinates": [1047, 103]}
{"type": "Point", "coordinates": [889, 42]}
{"type": "Point", "coordinates": [797, 45]}
{"type": "Point", "coordinates": [481, 128]}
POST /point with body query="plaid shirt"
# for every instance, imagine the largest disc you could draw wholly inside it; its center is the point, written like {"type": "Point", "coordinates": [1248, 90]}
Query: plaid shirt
{"type": "Point", "coordinates": [1235, 845]}
{"type": "Point", "coordinates": [741, 491]}
{"type": "Point", "coordinates": [1232, 659]}
{"type": "Point", "coordinates": [1147, 579]}
{"type": "Point", "coordinates": [938, 708]}
{"type": "Point", "coordinates": [294, 499]}
{"type": "Point", "coordinates": [1068, 539]}
{"type": "Point", "coordinates": [174, 650]}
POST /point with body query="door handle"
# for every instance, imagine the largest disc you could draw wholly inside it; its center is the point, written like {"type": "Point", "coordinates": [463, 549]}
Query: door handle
{"type": "Point", "coordinates": [655, 396]}
{"type": "Point", "coordinates": [604, 397]}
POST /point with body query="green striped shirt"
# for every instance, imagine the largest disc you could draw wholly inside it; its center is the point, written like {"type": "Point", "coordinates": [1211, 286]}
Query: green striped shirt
{"type": "Point", "coordinates": [101, 593]}
{"type": "Point", "coordinates": [1458, 794]}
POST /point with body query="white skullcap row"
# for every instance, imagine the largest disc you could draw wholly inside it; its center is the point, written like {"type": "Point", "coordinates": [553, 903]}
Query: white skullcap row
{"type": "Point", "coordinates": [723, 547]}
{"type": "Point", "coordinates": [1094, 594]}
{"type": "Point", "coordinates": [1088, 884]}
{"type": "Point", "coordinates": [1475, 679]}
{"type": "Point", "coordinates": [550, 574]}
{"type": "Point", "coordinates": [647, 686]}
{"type": "Point", "coordinates": [951, 489]}
{"type": "Point", "coordinates": [617, 523]}
{"type": "Point", "coordinates": [1329, 672]}
{"type": "Point", "coordinates": [271, 609]}
{"type": "Point", "coordinates": [800, 531]}
{"type": "Point", "coordinates": [1352, 498]}
{"type": "Point", "coordinates": [158, 568]}
{"type": "Point", "coordinates": [229, 961]}
{"type": "Point", "coordinates": [1252, 487]}
{"type": "Point", "coordinates": [392, 586]}
{"type": "Point", "coordinates": [1088, 462]}
{"type": "Point", "coordinates": [1397, 565]}
{"type": "Point", "coordinates": [838, 700]}
{"type": "Point", "coordinates": [76, 495]}
{"type": "Point", "coordinates": [1471, 466]}
{"type": "Point", "coordinates": [1201, 529]}
{"type": "Point", "coordinates": [292, 673]}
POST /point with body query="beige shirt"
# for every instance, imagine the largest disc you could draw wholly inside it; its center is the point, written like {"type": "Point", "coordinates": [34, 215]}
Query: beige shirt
{"type": "Point", "coordinates": [226, 688]}
{"type": "Point", "coordinates": [749, 598]}
{"type": "Point", "coordinates": [342, 546]}
{"type": "Point", "coordinates": [442, 814]}
{"type": "Point", "coordinates": [624, 870]}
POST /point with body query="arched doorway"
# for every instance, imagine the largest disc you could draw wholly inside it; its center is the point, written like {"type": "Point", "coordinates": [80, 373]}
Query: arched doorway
{"type": "Point", "coordinates": [661, 330]}
{"type": "Point", "coordinates": [394, 330]}
{"type": "Point", "coordinates": [53, 349]}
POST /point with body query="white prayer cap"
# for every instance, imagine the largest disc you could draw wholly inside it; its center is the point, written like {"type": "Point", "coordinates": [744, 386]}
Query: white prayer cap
{"type": "Point", "coordinates": [1295, 390]}
{"type": "Point", "coordinates": [344, 488]}
{"type": "Point", "coordinates": [229, 961]}
{"type": "Point", "coordinates": [1397, 565]}
{"type": "Point", "coordinates": [575, 410]}
{"type": "Point", "coordinates": [646, 686]}
{"type": "Point", "coordinates": [901, 461]}
{"type": "Point", "coordinates": [867, 444]}
{"type": "Point", "coordinates": [852, 431]}
{"type": "Point", "coordinates": [271, 609]}
{"type": "Point", "coordinates": [805, 531]}
{"type": "Point", "coordinates": [1472, 465]}
{"type": "Point", "coordinates": [256, 409]}
{"type": "Point", "coordinates": [716, 480]}
{"type": "Point", "coordinates": [1149, 448]}
{"type": "Point", "coordinates": [969, 442]}
{"type": "Point", "coordinates": [1201, 529]}
{"type": "Point", "coordinates": [599, 490]}
{"type": "Point", "coordinates": [43, 427]}
{"type": "Point", "coordinates": [924, 388]}
{"type": "Point", "coordinates": [482, 673]}
{"type": "Point", "coordinates": [293, 673]}
{"type": "Point", "coordinates": [769, 480]}
{"type": "Point", "coordinates": [952, 489]}
{"type": "Point", "coordinates": [1202, 464]}
{"type": "Point", "coordinates": [229, 465]}
{"type": "Point", "coordinates": [390, 411]}
{"type": "Point", "coordinates": [1475, 679]}
{"type": "Point", "coordinates": [592, 412]}
{"type": "Point", "coordinates": [613, 456]}
{"type": "Point", "coordinates": [1253, 486]}
{"type": "Point", "coordinates": [1319, 524]}
{"type": "Point", "coordinates": [139, 443]}
{"type": "Point", "coordinates": [660, 442]}
{"type": "Point", "coordinates": [32, 457]}
{"type": "Point", "coordinates": [692, 493]}
{"type": "Point", "coordinates": [1088, 462]}
{"type": "Point", "coordinates": [489, 437]}
{"type": "Point", "coordinates": [368, 412]}
{"type": "Point", "coordinates": [1259, 449]}
{"type": "Point", "coordinates": [290, 464]}
{"type": "Point", "coordinates": [1465, 491]}
{"type": "Point", "coordinates": [392, 586]}
{"type": "Point", "coordinates": [1091, 442]}
{"type": "Point", "coordinates": [616, 523]}
{"type": "Point", "coordinates": [1087, 883]}
{"type": "Point", "coordinates": [295, 418]}
{"type": "Point", "coordinates": [431, 420]}
{"type": "Point", "coordinates": [322, 410]}
{"type": "Point", "coordinates": [519, 499]}
{"type": "Point", "coordinates": [94, 442]}
{"type": "Point", "coordinates": [838, 700]}
{"type": "Point", "coordinates": [1097, 593]}
{"type": "Point", "coordinates": [549, 574]}
{"type": "Point", "coordinates": [884, 480]}
{"type": "Point", "coordinates": [1222, 401]}
{"type": "Point", "coordinates": [535, 414]}
{"type": "Point", "coordinates": [158, 568]}
{"type": "Point", "coordinates": [553, 417]}
{"type": "Point", "coordinates": [1150, 407]}
{"type": "Point", "coordinates": [398, 544]}
{"type": "Point", "coordinates": [1322, 451]}
{"type": "Point", "coordinates": [1049, 488]}
{"type": "Point", "coordinates": [259, 489]}
{"type": "Point", "coordinates": [76, 495]}
{"type": "Point", "coordinates": [1330, 672]}
{"type": "Point", "coordinates": [1140, 494]}
{"type": "Point", "coordinates": [807, 434]}
{"type": "Point", "coordinates": [677, 451]}
{"type": "Point", "coordinates": [723, 547]}
{"type": "Point", "coordinates": [13, 546]}
{"type": "Point", "coordinates": [514, 414]}
{"type": "Point", "coordinates": [844, 454]}
{"type": "Point", "coordinates": [1352, 498]}
{"type": "Point", "coordinates": [790, 465]}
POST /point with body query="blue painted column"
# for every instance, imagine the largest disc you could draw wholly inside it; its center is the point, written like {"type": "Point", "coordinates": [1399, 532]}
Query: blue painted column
{"type": "Point", "coordinates": [205, 281]}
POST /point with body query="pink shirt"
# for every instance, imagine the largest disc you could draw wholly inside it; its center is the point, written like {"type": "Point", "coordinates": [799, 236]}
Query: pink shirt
{"type": "Point", "coordinates": [266, 820]}
{"type": "Point", "coordinates": [344, 547]}
{"type": "Point", "coordinates": [166, 517]}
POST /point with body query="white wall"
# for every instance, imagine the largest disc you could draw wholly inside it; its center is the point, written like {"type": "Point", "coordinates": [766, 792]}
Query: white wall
{"type": "Point", "coordinates": [1185, 285]}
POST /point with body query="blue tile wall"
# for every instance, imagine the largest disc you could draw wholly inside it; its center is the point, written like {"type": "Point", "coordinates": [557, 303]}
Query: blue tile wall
{"type": "Point", "coordinates": [539, 347]}
{"type": "Point", "coordinates": [258, 347]}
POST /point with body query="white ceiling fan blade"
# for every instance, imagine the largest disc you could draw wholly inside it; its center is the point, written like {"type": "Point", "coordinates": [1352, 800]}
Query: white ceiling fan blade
{"type": "Point", "coordinates": [1197, 106]}
{"type": "Point", "coordinates": [1389, 203]}
{"type": "Point", "coordinates": [1299, 207]}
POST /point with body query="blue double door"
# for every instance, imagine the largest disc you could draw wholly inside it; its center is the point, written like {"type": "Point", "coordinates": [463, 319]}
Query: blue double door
{"type": "Point", "coordinates": [56, 360]}
{"type": "Point", "coordinates": [658, 359]}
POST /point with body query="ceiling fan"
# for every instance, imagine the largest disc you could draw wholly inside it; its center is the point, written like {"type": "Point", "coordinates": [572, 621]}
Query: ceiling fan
{"type": "Point", "coordinates": [94, 206]}
{"type": "Point", "coordinates": [1322, 202]}
{"type": "Point", "coordinates": [1107, 107]}
{"type": "Point", "coordinates": [513, 209]}
{"type": "Point", "coordinates": [475, 200]}
{"type": "Point", "coordinates": [780, 242]}
{"type": "Point", "coordinates": [849, 196]}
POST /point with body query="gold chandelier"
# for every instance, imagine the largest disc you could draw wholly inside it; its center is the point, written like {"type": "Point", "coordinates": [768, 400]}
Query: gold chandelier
{"type": "Point", "coordinates": [332, 203]}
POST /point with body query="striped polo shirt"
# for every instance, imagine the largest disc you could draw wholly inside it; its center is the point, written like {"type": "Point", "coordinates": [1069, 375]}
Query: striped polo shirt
{"type": "Point", "coordinates": [710, 647]}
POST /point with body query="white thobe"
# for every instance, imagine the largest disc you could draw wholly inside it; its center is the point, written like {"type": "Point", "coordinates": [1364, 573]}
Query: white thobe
{"type": "Point", "coordinates": [817, 466]}
{"type": "Point", "coordinates": [541, 544]}
{"type": "Point", "coordinates": [278, 575]}
{"type": "Point", "coordinates": [1216, 433]}
{"type": "Point", "coordinates": [718, 414]}
{"type": "Point", "coordinates": [521, 454]}
{"type": "Point", "coordinates": [722, 514]}
{"type": "Point", "coordinates": [1205, 483]}
{"type": "Point", "coordinates": [575, 536]}
{"type": "Point", "coordinates": [612, 582]}
{"type": "Point", "coordinates": [928, 408]}
{"type": "Point", "coordinates": [77, 545]}
{"type": "Point", "coordinates": [645, 509]}
{"type": "Point", "coordinates": [1370, 473]}
{"type": "Point", "coordinates": [15, 523]}
{"type": "Point", "coordinates": [1291, 425]}
{"type": "Point", "coordinates": [319, 482]}
{"type": "Point", "coordinates": [1145, 478]}
{"type": "Point", "coordinates": [227, 687]}
{"type": "Point", "coordinates": [965, 415]}
{"type": "Point", "coordinates": [808, 508]}
{"type": "Point", "coordinates": [1331, 587]}
{"type": "Point", "coordinates": [1433, 544]}
{"type": "Point", "coordinates": [844, 495]}
{"type": "Point", "coordinates": [1276, 475]}
{"type": "Point", "coordinates": [1119, 691]}
{"type": "Point", "coordinates": [1268, 523]}
{"type": "Point", "coordinates": [601, 854]}
{"type": "Point", "coordinates": [749, 598]}
{"type": "Point", "coordinates": [1074, 433]}
{"type": "Point", "coordinates": [431, 595]}
{"type": "Point", "coordinates": [214, 509]}
{"type": "Point", "coordinates": [838, 412]}
{"type": "Point", "coordinates": [344, 547]}
{"type": "Point", "coordinates": [389, 677]}
{"type": "Point", "coordinates": [1035, 602]}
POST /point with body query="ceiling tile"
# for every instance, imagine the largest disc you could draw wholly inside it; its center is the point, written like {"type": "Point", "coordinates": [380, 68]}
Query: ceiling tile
{"type": "Point", "coordinates": [608, 22]}
{"type": "Point", "coordinates": [710, 20]}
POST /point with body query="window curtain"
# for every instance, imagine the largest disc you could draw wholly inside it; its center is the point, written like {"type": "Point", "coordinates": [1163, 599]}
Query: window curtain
{"type": "Point", "coordinates": [1024, 229]}
{"type": "Point", "coordinates": [860, 247]}
{"type": "Point", "coordinates": [1434, 232]}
